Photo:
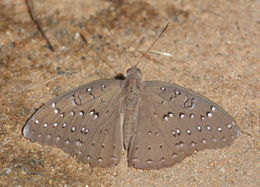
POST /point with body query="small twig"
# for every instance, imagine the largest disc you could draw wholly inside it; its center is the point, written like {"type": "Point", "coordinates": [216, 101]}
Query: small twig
{"type": "Point", "coordinates": [161, 53]}
{"type": "Point", "coordinates": [83, 38]}
{"type": "Point", "coordinates": [34, 19]}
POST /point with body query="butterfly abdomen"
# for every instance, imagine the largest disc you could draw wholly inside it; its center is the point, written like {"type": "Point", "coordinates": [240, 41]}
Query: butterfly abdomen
{"type": "Point", "coordinates": [131, 112]}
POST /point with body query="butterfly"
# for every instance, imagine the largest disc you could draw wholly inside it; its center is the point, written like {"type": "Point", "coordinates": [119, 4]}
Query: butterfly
{"type": "Point", "coordinates": [157, 123]}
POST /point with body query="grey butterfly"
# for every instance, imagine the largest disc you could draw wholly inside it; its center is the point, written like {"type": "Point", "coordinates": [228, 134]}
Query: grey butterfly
{"type": "Point", "coordinates": [158, 123]}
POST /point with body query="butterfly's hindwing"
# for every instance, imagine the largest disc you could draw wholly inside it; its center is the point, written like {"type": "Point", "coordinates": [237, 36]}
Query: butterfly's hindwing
{"type": "Point", "coordinates": [82, 122]}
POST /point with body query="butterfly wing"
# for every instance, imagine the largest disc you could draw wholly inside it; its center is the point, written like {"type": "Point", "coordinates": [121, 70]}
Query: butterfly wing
{"type": "Point", "coordinates": [83, 122]}
{"type": "Point", "coordinates": [173, 123]}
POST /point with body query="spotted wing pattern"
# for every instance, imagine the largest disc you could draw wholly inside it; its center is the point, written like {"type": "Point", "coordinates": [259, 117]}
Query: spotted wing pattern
{"type": "Point", "coordinates": [83, 122]}
{"type": "Point", "coordinates": [173, 123]}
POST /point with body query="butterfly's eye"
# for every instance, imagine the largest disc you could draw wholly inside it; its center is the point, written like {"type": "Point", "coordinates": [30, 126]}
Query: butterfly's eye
{"type": "Point", "coordinates": [129, 71]}
{"type": "Point", "coordinates": [138, 71]}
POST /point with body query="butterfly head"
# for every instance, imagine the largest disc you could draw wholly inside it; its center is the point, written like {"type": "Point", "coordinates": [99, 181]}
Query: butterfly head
{"type": "Point", "coordinates": [134, 72]}
{"type": "Point", "coordinates": [133, 79]}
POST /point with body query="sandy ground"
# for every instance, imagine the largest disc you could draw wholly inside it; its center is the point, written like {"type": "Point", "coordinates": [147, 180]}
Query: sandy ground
{"type": "Point", "coordinates": [215, 52]}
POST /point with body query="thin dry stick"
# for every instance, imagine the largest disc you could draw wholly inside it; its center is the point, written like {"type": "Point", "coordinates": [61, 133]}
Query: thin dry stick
{"type": "Point", "coordinates": [161, 53]}
{"type": "Point", "coordinates": [83, 38]}
{"type": "Point", "coordinates": [34, 19]}
{"type": "Point", "coordinates": [152, 44]}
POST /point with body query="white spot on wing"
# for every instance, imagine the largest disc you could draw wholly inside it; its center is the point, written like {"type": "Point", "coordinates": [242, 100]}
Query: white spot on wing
{"type": "Point", "coordinates": [209, 114]}
{"type": "Point", "coordinates": [166, 118]}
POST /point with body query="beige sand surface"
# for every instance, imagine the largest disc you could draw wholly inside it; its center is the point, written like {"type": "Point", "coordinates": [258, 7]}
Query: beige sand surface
{"type": "Point", "coordinates": [215, 52]}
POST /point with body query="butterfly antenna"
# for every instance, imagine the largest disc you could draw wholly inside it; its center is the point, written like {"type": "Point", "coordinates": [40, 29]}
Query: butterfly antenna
{"type": "Point", "coordinates": [34, 19]}
{"type": "Point", "coordinates": [112, 37]}
{"type": "Point", "coordinates": [154, 42]}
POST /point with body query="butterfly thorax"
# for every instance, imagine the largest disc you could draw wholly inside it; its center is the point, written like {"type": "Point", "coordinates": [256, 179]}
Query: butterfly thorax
{"type": "Point", "coordinates": [132, 86]}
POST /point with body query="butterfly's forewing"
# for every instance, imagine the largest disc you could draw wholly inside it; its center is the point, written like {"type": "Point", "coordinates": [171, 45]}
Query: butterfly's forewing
{"type": "Point", "coordinates": [83, 122]}
{"type": "Point", "coordinates": [173, 123]}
